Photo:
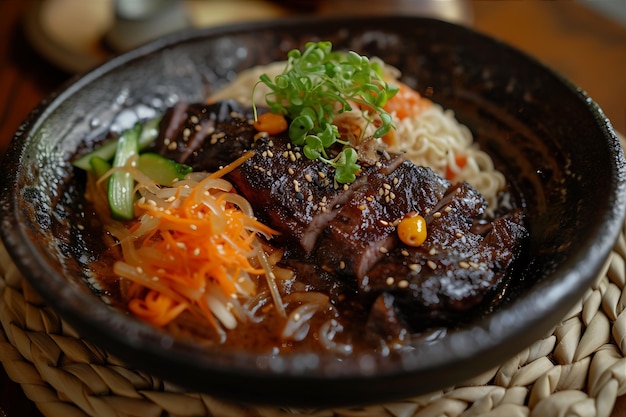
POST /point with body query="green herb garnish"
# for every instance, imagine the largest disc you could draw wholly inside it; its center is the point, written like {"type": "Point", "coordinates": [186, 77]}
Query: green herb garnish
{"type": "Point", "coordinates": [318, 84]}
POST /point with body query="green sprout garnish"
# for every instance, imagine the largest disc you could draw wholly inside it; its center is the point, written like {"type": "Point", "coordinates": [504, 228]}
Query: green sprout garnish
{"type": "Point", "coordinates": [318, 84]}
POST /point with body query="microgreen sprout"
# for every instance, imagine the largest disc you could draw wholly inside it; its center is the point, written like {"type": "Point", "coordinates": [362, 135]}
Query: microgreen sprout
{"type": "Point", "coordinates": [316, 85]}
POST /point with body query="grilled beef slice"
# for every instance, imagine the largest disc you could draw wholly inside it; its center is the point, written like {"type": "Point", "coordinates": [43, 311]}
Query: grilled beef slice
{"type": "Point", "coordinates": [205, 136]}
{"type": "Point", "coordinates": [347, 232]}
{"type": "Point", "coordinates": [366, 222]}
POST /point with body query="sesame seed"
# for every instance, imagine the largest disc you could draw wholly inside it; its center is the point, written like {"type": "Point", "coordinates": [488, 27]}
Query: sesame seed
{"type": "Point", "coordinates": [395, 181]}
{"type": "Point", "coordinates": [436, 215]}
{"type": "Point", "coordinates": [362, 207]}
{"type": "Point", "coordinates": [405, 252]}
{"type": "Point", "coordinates": [296, 185]}
{"type": "Point", "coordinates": [308, 177]}
{"type": "Point", "coordinates": [383, 249]}
{"type": "Point", "coordinates": [342, 265]}
{"type": "Point", "coordinates": [386, 186]}
{"type": "Point", "coordinates": [390, 280]}
{"type": "Point", "coordinates": [270, 153]}
{"type": "Point", "coordinates": [196, 252]}
{"type": "Point", "coordinates": [186, 132]}
{"type": "Point", "coordinates": [321, 174]}
{"type": "Point", "coordinates": [448, 209]}
{"type": "Point", "coordinates": [193, 227]}
{"type": "Point", "coordinates": [403, 284]}
{"type": "Point", "coordinates": [431, 265]}
{"type": "Point", "coordinates": [459, 235]}
{"type": "Point", "coordinates": [194, 119]}
{"type": "Point", "coordinates": [291, 171]}
{"type": "Point", "coordinates": [473, 265]}
{"type": "Point", "coordinates": [172, 146]}
{"type": "Point", "coordinates": [464, 265]}
{"type": "Point", "coordinates": [415, 267]}
{"type": "Point", "coordinates": [139, 269]}
{"type": "Point", "coordinates": [384, 222]}
{"type": "Point", "coordinates": [432, 251]}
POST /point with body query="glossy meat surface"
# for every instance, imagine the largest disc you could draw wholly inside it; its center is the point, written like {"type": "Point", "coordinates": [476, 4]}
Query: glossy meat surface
{"type": "Point", "coordinates": [347, 233]}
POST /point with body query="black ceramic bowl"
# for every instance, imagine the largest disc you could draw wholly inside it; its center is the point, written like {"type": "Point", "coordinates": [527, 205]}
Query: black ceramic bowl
{"type": "Point", "coordinates": [551, 140]}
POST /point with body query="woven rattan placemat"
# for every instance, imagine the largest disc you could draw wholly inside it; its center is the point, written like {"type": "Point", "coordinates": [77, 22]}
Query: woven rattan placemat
{"type": "Point", "coordinates": [579, 369]}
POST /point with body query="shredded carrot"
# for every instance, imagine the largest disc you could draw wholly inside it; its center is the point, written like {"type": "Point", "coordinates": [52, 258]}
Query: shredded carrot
{"type": "Point", "coordinates": [406, 103]}
{"type": "Point", "coordinates": [202, 243]}
{"type": "Point", "coordinates": [460, 161]}
{"type": "Point", "coordinates": [271, 123]}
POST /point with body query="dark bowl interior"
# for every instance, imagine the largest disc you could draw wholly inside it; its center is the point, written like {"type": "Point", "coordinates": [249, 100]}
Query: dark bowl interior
{"type": "Point", "coordinates": [551, 140]}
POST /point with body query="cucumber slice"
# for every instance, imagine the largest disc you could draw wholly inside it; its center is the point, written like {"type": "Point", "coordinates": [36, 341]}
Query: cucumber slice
{"type": "Point", "coordinates": [121, 184]}
{"type": "Point", "coordinates": [107, 150]}
{"type": "Point", "coordinates": [99, 166]}
{"type": "Point", "coordinates": [160, 169]}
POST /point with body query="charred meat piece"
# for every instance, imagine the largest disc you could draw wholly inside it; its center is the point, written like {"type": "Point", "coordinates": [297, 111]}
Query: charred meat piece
{"type": "Point", "coordinates": [366, 222]}
{"type": "Point", "coordinates": [346, 233]}
{"type": "Point", "coordinates": [453, 272]}
{"type": "Point", "coordinates": [295, 195]}
{"type": "Point", "coordinates": [205, 136]}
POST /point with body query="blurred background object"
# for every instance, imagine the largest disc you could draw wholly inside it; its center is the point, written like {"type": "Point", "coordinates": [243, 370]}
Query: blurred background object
{"type": "Point", "coordinates": [585, 40]}
{"type": "Point", "coordinates": [78, 34]}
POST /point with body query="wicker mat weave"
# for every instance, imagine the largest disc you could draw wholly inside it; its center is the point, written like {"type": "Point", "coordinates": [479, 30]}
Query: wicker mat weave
{"type": "Point", "coordinates": [579, 369]}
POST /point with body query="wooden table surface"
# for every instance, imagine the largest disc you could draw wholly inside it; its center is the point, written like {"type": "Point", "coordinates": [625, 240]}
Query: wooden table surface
{"type": "Point", "coordinates": [585, 46]}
